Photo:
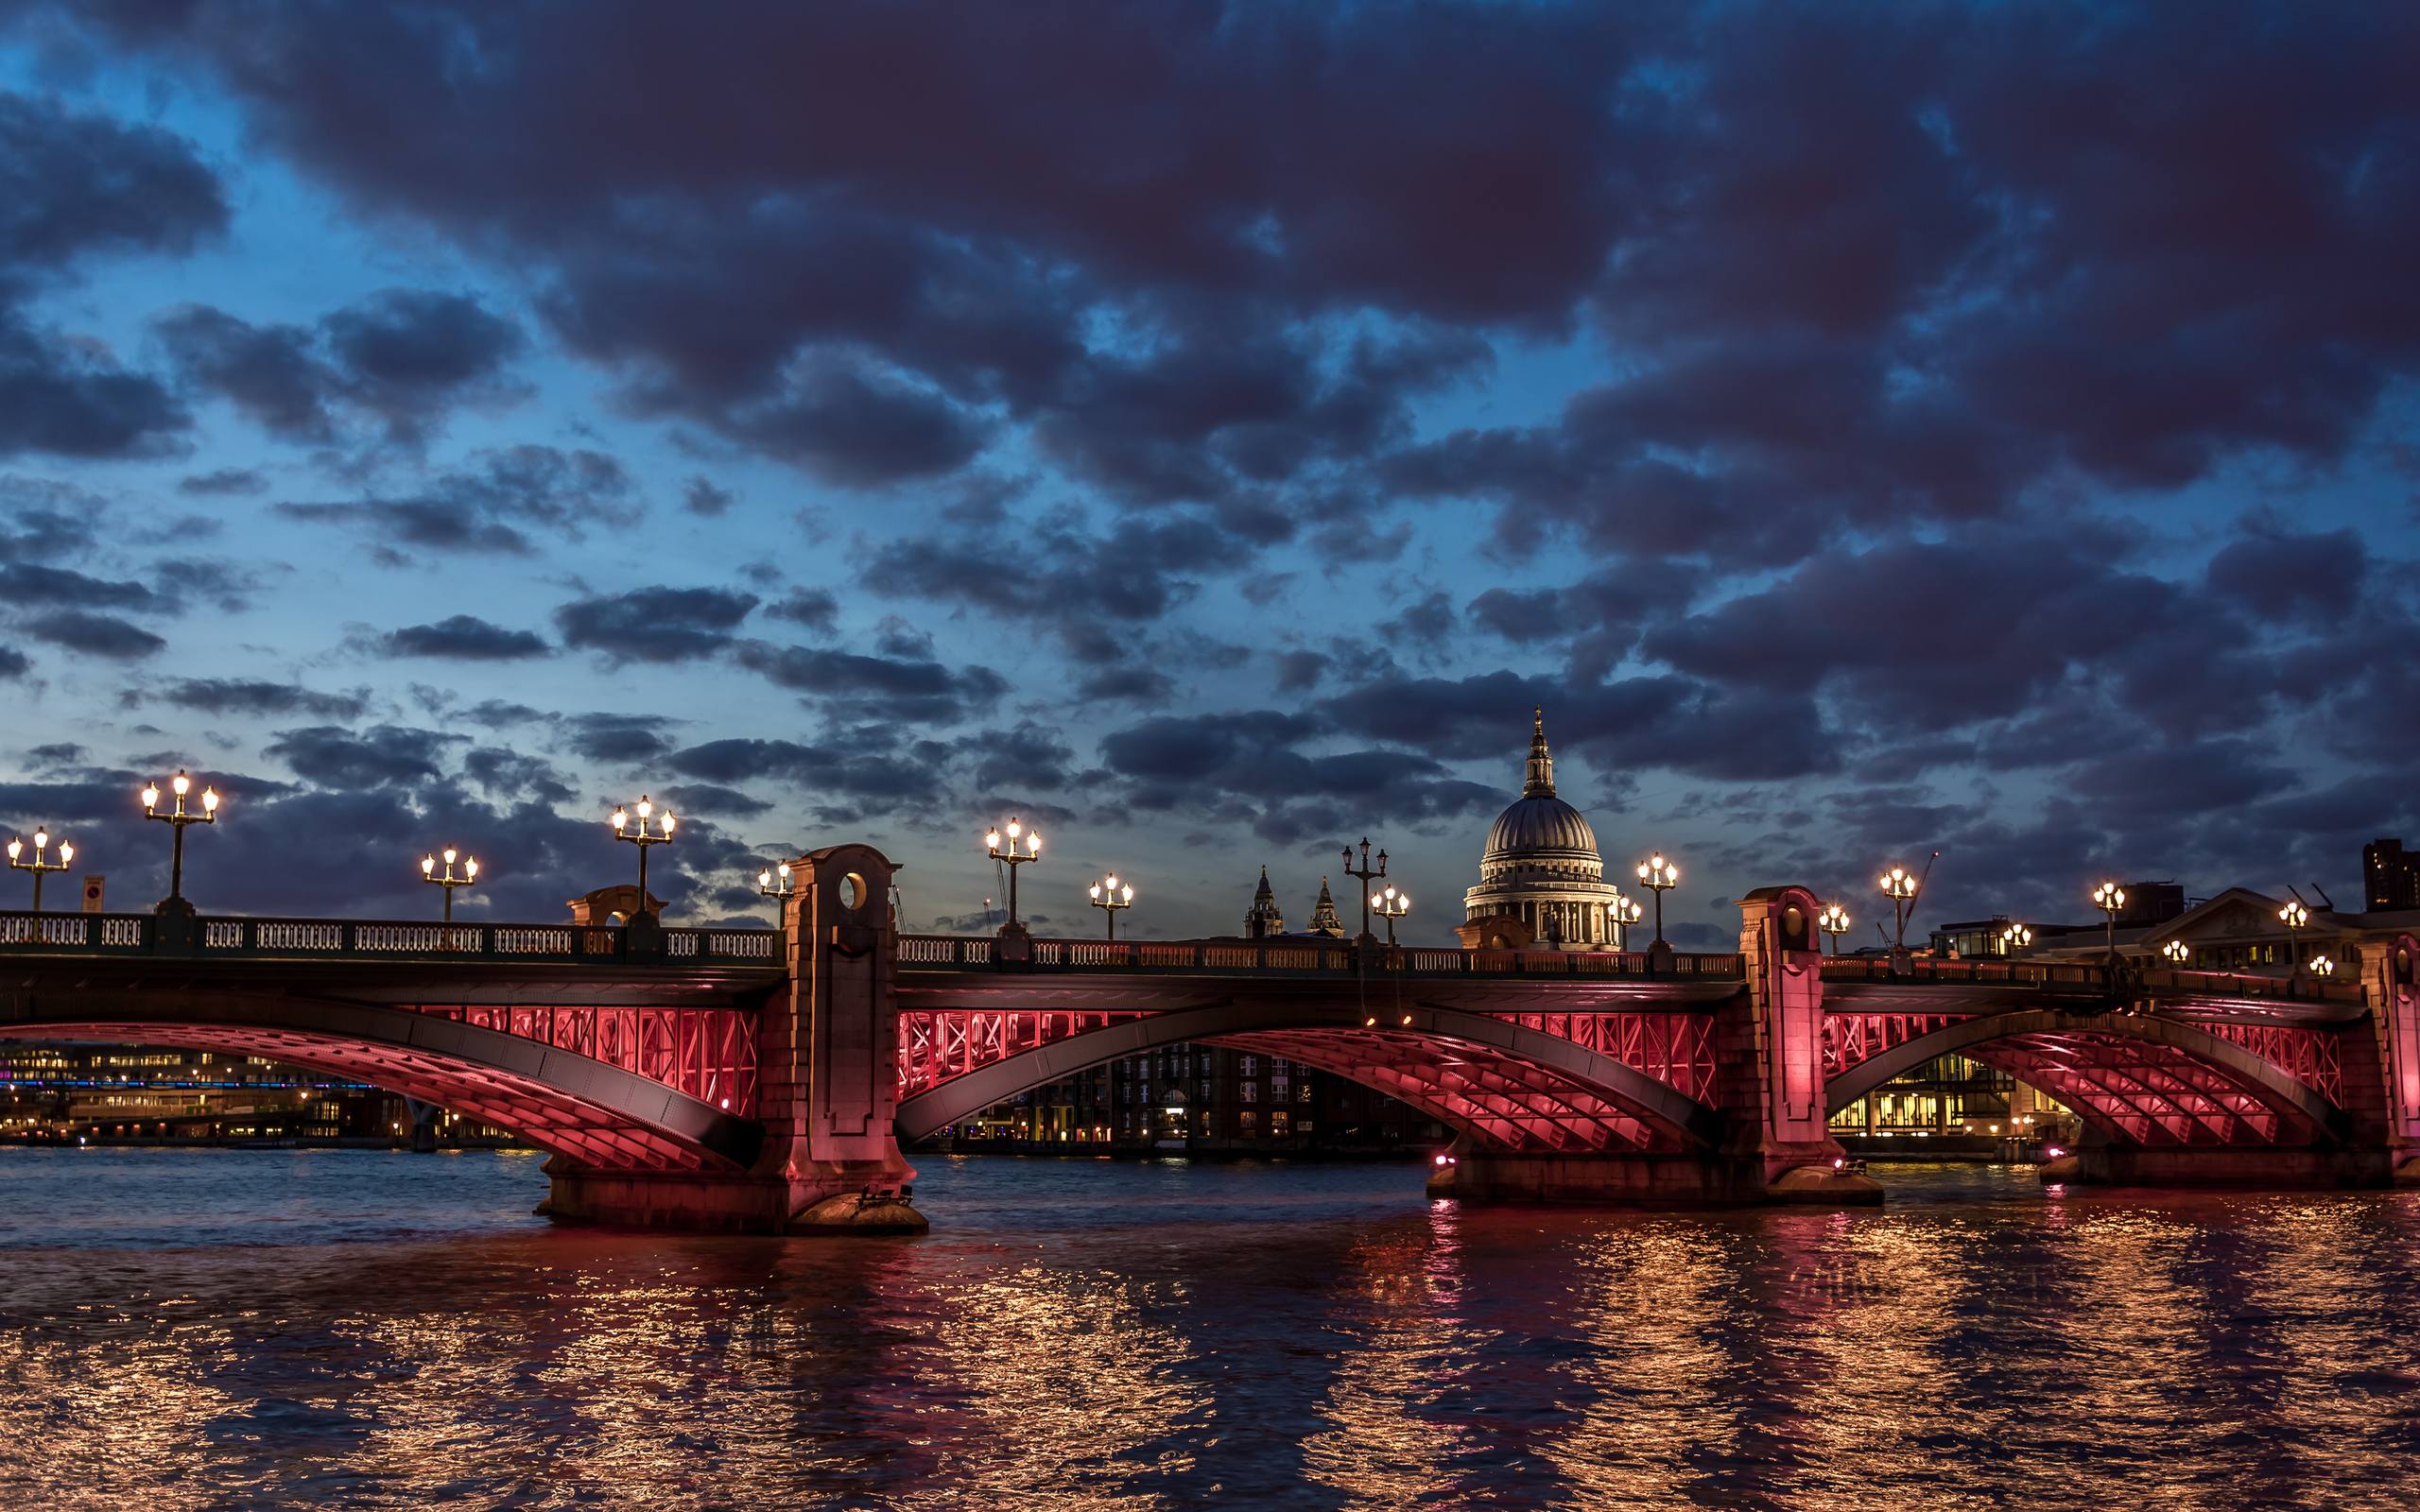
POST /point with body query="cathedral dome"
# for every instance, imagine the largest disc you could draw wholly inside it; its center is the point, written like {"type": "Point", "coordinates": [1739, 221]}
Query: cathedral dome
{"type": "Point", "coordinates": [1542, 868]}
{"type": "Point", "coordinates": [1536, 824]}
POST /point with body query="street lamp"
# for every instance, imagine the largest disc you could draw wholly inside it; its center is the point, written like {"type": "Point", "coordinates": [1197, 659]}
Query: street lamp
{"type": "Point", "coordinates": [2294, 916]}
{"type": "Point", "coordinates": [1660, 877]}
{"type": "Point", "coordinates": [2323, 964]}
{"type": "Point", "coordinates": [1624, 912]}
{"type": "Point", "coordinates": [40, 865]}
{"type": "Point", "coordinates": [447, 880]}
{"type": "Point", "coordinates": [1391, 905]}
{"type": "Point", "coordinates": [2178, 953]}
{"type": "Point", "coordinates": [176, 818]}
{"type": "Point", "coordinates": [1366, 875]}
{"type": "Point", "coordinates": [1833, 920]}
{"type": "Point", "coordinates": [637, 835]}
{"type": "Point", "coordinates": [2015, 938]}
{"type": "Point", "coordinates": [1002, 846]}
{"type": "Point", "coordinates": [1901, 886]}
{"type": "Point", "coordinates": [775, 882]}
{"type": "Point", "coordinates": [1109, 898]}
{"type": "Point", "coordinates": [2109, 898]}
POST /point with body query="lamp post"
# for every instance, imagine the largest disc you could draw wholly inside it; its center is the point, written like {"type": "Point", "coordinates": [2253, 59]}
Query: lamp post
{"type": "Point", "coordinates": [1109, 898]}
{"type": "Point", "coordinates": [774, 882]}
{"type": "Point", "coordinates": [1002, 846]}
{"type": "Point", "coordinates": [2178, 953]}
{"type": "Point", "coordinates": [176, 818]}
{"type": "Point", "coordinates": [2323, 964]}
{"type": "Point", "coordinates": [2110, 898]}
{"type": "Point", "coordinates": [1624, 913]}
{"type": "Point", "coordinates": [1660, 877]}
{"type": "Point", "coordinates": [2015, 938]}
{"type": "Point", "coordinates": [638, 835]}
{"type": "Point", "coordinates": [1391, 905]}
{"type": "Point", "coordinates": [1367, 876]}
{"type": "Point", "coordinates": [447, 880]}
{"type": "Point", "coordinates": [1833, 920]}
{"type": "Point", "coordinates": [1901, 886]}
{"type": "Point", "coordinates": [2294, 916]}
{"type": "Point", "coordinates": [40, 865]}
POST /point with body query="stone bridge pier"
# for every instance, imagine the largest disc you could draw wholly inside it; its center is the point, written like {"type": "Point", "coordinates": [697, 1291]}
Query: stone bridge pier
{"type": "Point", "coordinates": [827, 1087]}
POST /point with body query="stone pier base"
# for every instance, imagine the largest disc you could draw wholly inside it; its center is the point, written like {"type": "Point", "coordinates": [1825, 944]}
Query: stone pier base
{"type": "Point", "coordinates": [2279, 1169]}
{"type": "Point", "coordinates": [1645, 1181]}
{"type": "Point", "coordinates": [737, 1203]}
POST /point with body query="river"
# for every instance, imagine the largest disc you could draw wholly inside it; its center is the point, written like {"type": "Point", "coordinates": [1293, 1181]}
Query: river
{"type": "Point", "coordinates": [200, 1329]}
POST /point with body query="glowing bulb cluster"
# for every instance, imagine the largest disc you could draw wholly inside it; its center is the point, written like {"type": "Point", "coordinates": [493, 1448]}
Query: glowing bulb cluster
{"type": "Point", "coordinates": [1006, 841]}
{"type": "Point", "coordinates": [645, 810]}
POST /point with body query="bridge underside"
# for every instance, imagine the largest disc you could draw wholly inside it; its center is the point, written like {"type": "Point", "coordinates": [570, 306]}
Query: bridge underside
{"type": "Point", "coordinates": [1502, 1084]}
{"type": "Point", "coordinates": [2136, 1081]}
{"type": "Point", "coordinates": [1492, 1098]}
{"type": "Point", "coordinates": [595, 1115]}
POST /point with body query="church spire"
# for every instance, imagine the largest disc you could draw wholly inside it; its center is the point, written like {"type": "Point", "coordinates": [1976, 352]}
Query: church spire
{"type": "Point", "coordinates": [1324, 918]}
{"type": "Point", "coordinates": [1540, 782]}
{"type": "Point", "coordinates": [1263, 919]}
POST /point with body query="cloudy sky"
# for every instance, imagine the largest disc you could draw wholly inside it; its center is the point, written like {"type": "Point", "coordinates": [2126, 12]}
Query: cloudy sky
{"type": "Point", "coordinates": [1866, 430]}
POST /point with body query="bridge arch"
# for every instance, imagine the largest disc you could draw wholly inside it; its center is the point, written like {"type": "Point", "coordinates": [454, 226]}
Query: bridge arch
{"type": "Point", "coordinates": [1506, 1085]}
{"type": "Point", "coordinates": [597, 1116]}
{"type": "Point", "coordinates": [2138, 1078]}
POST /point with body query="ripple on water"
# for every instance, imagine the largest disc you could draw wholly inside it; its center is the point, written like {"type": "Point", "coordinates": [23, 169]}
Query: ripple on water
{"type": "Point", "coordinates": [207, 1329]}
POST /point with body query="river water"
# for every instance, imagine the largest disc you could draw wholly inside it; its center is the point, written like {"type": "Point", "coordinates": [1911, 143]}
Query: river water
{"type": "Point", "coordinates": [352, 1328]}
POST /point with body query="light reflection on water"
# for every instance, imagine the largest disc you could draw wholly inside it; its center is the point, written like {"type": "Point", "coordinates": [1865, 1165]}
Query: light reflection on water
{"type": "Point", "coordinates": [191, 1330]}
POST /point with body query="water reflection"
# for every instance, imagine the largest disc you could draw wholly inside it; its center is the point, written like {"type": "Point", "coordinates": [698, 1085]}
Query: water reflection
{"type": "Point", "coordinates": [235, 1329]}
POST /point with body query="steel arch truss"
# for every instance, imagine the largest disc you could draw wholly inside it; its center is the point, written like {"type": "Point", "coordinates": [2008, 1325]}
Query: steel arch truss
{"type": "Point", "coordinates": [599, 1116]}
{"type": "Point", "coordinates": [1508, 1083]}
{"type": "Point", "coordinates": [2139, 1079]}
{"type": "Point", "coordinates": [937, 1045]}
{"type": "Point", "coordinates": [709, 1054]}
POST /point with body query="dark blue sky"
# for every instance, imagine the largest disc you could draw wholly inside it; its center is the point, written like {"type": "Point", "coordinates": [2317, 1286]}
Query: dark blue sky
{"type": "Point", "coordinates": [1867, 430]}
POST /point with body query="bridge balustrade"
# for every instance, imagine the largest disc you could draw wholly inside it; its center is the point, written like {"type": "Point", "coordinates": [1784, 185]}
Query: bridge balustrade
{"type": "Point", "coordinates": [2094, 976]}
{"type": "Point", "coordinates": [345, 938]}
{"type": "Point", "coordinates": [936, 951]}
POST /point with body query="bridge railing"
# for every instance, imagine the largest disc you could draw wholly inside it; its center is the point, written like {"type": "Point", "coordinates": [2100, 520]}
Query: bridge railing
{"type": "Point", "coordinates": [2094, 976]}
{"type": "Point", "coordinates": [954, 951]}
{"type": "Point", "coordinates": [356, 939]}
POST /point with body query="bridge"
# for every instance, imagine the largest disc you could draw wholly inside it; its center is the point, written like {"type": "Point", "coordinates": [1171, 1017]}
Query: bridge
{"type": "Point", "coordinates": [768, 1079]}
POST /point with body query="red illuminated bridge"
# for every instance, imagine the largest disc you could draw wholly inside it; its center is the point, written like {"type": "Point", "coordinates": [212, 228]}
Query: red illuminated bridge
{"type": "Point", "coordinates": [765, 1079]}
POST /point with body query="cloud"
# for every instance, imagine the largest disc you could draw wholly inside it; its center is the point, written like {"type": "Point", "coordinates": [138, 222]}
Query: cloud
{"type": "Point", "coordinates": [403, 357]}
{"type": "Point", "coordinates": [510, 774]}
{"type": "Point", "coordinates": [102, 635]}
{"type": "Point", "coordinates": [63, 585]}
{"type": "Point", "coordinates": [617, 738]}
{"type": "Point", "coordinates": [654, 623]}
{"type": "Point", "coordinates": [492, 507]}
{"type": "Point", "coordinates": [267, 371]}
{"type": "Point", "coordinates": [714, 799]}
{"type": "Point", "coordinates": [381, 756]}
{"type": "Point", "coordinates": [257, 698]}
{"type": "Point", "coordinates": [903, 688]}
{"type": "Point", "coordinates": [74, 185]}
{"type": "Point", "coordinates": [13, 663]}
{"type": "Point", "coordinates": [68, 398]}
{"type": "Point", "coordinates": [704, 500]}
{"type": "Point", "coordinates": [463, 638]}
{"type": "Point", "coordinates": [855, 770]}
{"type": "Point", "coordinates": [223, 481]}
{"type": "Point", "coordinates": [815, 609]}
{"type": "Point", "coordinates": [411, 354]}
